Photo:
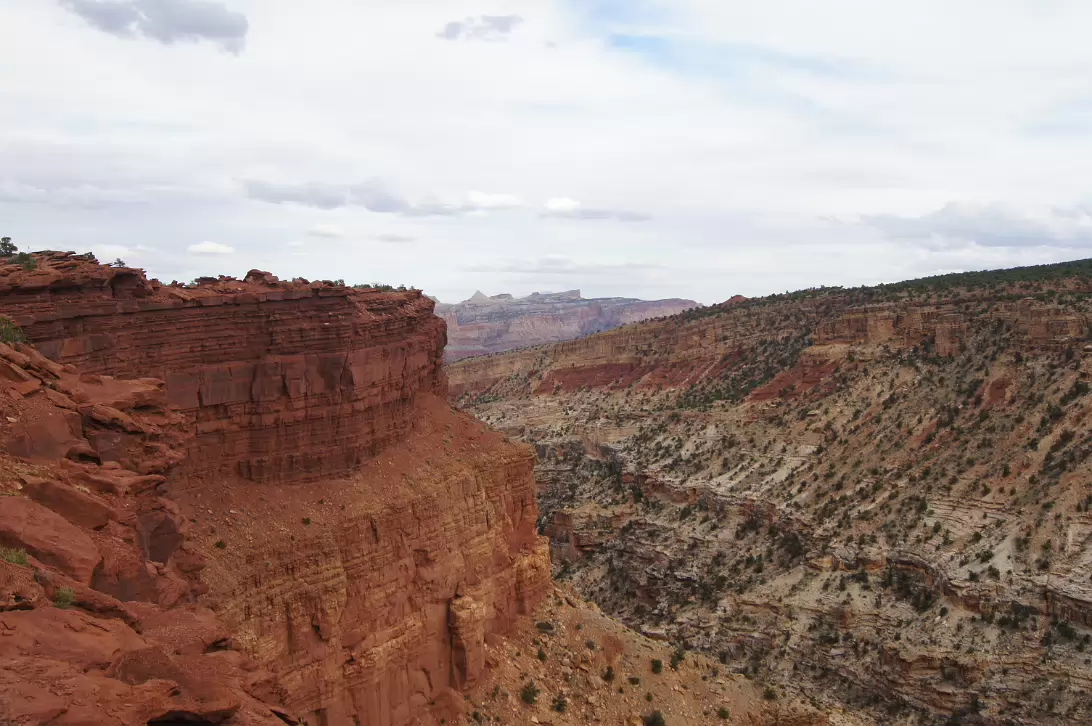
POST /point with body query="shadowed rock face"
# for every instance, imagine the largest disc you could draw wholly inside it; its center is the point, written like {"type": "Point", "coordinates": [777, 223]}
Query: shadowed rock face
{"type": "Point", "coordinates": [277, 455]}
{"type": "Point", "coordinates": [499, 323]}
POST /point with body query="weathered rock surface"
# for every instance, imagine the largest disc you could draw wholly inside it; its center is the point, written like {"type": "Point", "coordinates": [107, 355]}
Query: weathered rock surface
{"type": "Point", "coordinates": [280, 381]}
{"type": "Point", "coordinates": [284, 453]}
{"type": "Point", "coordinates": [877, 499]}
{"type": "Point", "coordinates": [482, 324]}
{"type": "Point", "coordinates": [70, 651]}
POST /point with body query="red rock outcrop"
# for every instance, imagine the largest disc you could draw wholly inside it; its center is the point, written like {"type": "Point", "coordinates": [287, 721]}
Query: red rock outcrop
{"type": "Point", "coordinates": [398, 534]}
{"type": "Point", "coordinates": [79, 538]}
{"type": "Point", "coordinates": [281, 381]}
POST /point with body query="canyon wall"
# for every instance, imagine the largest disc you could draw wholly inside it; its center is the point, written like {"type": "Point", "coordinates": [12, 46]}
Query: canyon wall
{"type": "Point", "coordinates": [877, 499]}
{"type": "Point", "coordinates": [482, 325]}
{"type": "Point", "coordinates": [361, 538]}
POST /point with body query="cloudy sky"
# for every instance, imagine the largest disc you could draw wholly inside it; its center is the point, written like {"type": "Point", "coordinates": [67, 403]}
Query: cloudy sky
{"type": "Point", "coordinates": [689, 148]}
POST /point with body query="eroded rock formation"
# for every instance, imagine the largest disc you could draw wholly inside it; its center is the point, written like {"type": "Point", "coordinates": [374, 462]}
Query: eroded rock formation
{"type": "Point", "coordinates": [355, 538]}
{"type": "Point", "coordinates": [484, 324]}
{"type": "Point", "coordinates": [876, 498]}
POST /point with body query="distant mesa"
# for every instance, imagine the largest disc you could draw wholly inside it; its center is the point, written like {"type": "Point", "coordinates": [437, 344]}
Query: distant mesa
{"type": "Point", "coordinates": [484, 324]}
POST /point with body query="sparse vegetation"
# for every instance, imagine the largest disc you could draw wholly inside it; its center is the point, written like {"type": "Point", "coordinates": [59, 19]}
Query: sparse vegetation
{"type": "Point", "coordinates": [14, 556]}
{"type": "Point", "coordinates": [10, 333]}
{"type": "Point", "coordinates": [64, 597]}
{"type": "Point", "coordinates": [529, 693]}
{"type": "Point", "coordinates": [655, 719]}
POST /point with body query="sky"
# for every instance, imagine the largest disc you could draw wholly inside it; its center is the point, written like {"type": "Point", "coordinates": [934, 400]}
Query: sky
{"type": "Point", "coordinates": [684, 148]}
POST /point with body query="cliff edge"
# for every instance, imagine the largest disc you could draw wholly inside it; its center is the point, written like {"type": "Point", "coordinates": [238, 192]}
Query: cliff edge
{"type": "Point", "coordinates": [349, 533]}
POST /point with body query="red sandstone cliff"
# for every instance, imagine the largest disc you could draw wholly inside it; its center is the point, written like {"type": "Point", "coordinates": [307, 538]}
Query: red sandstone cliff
{"type": "Point", "coordinates": [362, 538]}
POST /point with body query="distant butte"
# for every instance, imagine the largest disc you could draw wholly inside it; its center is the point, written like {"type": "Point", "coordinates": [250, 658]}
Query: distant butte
{"type": "Point", "coordinates": [486, 324]}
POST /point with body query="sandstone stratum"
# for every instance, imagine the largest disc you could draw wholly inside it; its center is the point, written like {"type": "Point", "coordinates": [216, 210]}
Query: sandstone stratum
{"type": "Point", "coordinates": [492, 324]}
{"type": "Point", "coordinates": [877, 499]}
{"type": "Point", "coordinates": [280, 449]}
{"type": "Point", "coordinates": [248, 501]}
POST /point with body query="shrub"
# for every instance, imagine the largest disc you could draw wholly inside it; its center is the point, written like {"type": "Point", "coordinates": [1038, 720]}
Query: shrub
{"type": "Point", "coordinates": [15, 557]}
{"type": "Point", "coordinates": [10, 332]}
{"type": "Point", "coordinates": [769, 694]}
{"type": "Point", "coordinates": [25, 261]}
{"type": "Point", "coordinates": [655, 719]}
{"type": "Point", "coordinates": [676, 658]}
{"type": "Point", "coordinates": [724, 713]}
{"type": "Point", "coordinates": [64, 598]}
{"type": "Point", "coordinates": [529, 693]}
{"type": "Point", "coordinates": [561, 704]}
{"type": "Point", "coordinates": [220, 544]}
{"type": "Point", "coordinates": [7, 248]}
{"type": "Point", "coordinates": [306, 521]}
{"type": "Point", "coordinates": [608, 674]}
{"type": "Point", "coordinates": [657, 666]}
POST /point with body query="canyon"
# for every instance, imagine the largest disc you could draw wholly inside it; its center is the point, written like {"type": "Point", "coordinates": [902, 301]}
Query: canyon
{"type": "Point", "coordinates": [492, 324]}
{"type": "Point", "coordinates": [875, 499]}
{"type": "Point", "coordinates": [248, 501]}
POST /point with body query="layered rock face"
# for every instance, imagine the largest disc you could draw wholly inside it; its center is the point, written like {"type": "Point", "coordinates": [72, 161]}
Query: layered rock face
{"type": "Point", "coordinates": [877, 499]}
{"type": "Point", "coordinates": [283, 381]}
{"type": "Point", "coordinates": [495, 324]}
{"type": "Point", "coordinates": [362, 539]}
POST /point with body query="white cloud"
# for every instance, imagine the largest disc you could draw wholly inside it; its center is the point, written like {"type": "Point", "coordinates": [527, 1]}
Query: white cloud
{"type": "Point", "coordinates": [332, 231]}
{"type": "Point", "coordinates": [567, 208]}
{"type": "Point", "coordinates": [732, 132]}
{"type": "Point", "coordinates": [562, 205]}
{"type": "Point", "coordinates": [210, 248]}
{"type": "Point", "coordinates": [486, 201]}
{"type": "Point", "coordinates": [394, 239]}
{"type": "Point", "coordinates": [483, 27]}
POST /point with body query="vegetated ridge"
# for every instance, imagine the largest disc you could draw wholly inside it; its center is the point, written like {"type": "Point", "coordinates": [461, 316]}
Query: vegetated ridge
{"type": "Point", "coordinates": [879, 499]}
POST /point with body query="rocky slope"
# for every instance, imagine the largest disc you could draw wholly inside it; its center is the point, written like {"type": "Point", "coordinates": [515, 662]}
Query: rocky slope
{"type": "Point", "coordinates": [876, 499]}
{"type": "Point", "coordinates": [98, 619]}
{"type": "Point", "coordinates": [356, 538]}
{"type": "Point", "coordinates": [494, 324]}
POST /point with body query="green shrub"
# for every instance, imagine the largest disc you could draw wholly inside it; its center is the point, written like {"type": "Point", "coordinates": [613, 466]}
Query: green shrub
{"type": "Point", "coordinates": [220, 544]}
{"type": "Point", "coordinates": [676, 658]}
{"type": "Point", "coordinates": [529, 693]}
{"type": "Point", "coordinates": [7, 247]}
{"type": "Point", "coordinates": [655, 719]}
{"type": "Point", "coordinates": [15, 557]}
{"type": "Point", "coordinates": [11, 333]}
{"type": "Point", "coordinates": [724, 713]}
{"type": "Point", "coordinates": [657, 666]}
{"type": "Point", "coordinates": [561, 704]}
{"type": "Point", "coordinates": [64, 598]}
